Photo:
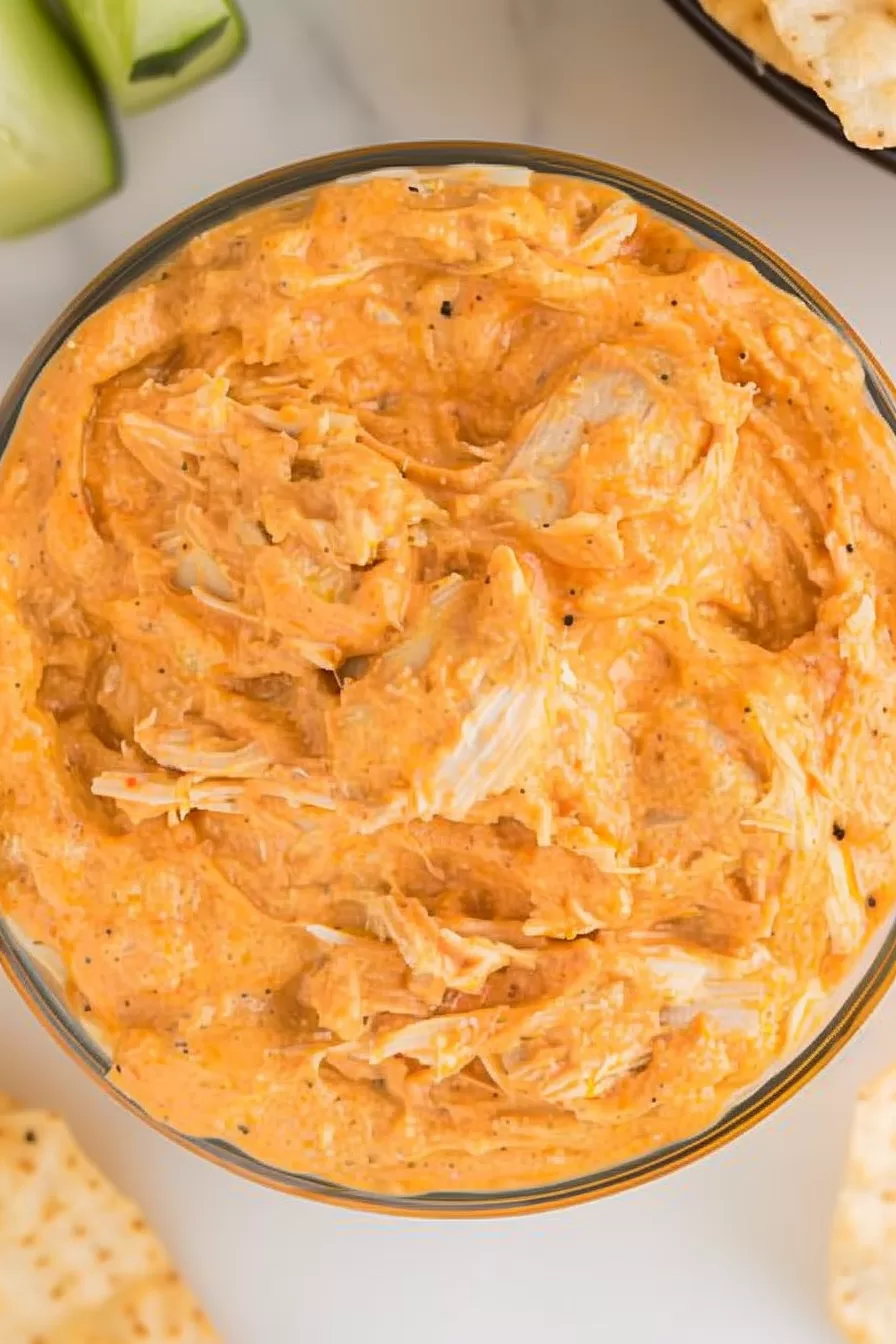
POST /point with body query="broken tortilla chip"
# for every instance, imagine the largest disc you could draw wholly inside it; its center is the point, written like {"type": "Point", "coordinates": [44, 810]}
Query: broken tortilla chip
{"type": "Point", "coordinates": [847, 51]}
{"type": "Point", "coordinates": [749, 22]}
{"type": "Point", "coordinates": [78, 1264]}
{"type": "Point", "coordinates": [863, 1242]}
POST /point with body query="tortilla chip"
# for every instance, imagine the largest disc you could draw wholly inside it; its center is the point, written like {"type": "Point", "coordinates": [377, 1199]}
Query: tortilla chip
{"type": "Point", "coordinates": [71, 1245]}
{"type": "Point", "coordinates": [749, 22]}
{"type": "Point", "coordinates": [863, 1242]}
{"type": "Point", "coordinates": [848, 51]}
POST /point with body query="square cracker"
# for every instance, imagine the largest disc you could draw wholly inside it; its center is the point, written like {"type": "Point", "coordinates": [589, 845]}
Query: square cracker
{"type": "Point", "coordinates": [77, 1260]}
{"type": "Point", "coordinates": [863, 1241]}
{"type": "Point", "coordinates": [159, 1310]}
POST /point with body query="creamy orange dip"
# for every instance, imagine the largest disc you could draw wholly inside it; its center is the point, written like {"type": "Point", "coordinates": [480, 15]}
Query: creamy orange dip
{"type": "Point", "coordinates": [448, 703]}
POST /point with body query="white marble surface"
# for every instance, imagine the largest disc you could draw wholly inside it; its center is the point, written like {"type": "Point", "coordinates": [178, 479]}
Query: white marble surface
{"type": "Point", "coordinates": [732, 1249]}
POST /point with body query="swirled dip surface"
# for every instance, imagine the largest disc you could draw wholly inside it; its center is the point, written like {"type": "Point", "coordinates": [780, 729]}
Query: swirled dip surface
{"type": "Point", "coordinates": [448, 704]}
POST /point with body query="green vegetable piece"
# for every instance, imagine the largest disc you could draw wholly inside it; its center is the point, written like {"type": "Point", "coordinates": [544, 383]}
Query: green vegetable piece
{"type": "Point", "coordinates": [147, 51]}
{"type": "Point", "coordinates": [57, 150]}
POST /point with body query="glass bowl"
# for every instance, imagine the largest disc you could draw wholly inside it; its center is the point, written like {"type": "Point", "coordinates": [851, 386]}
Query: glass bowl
{"type": "Point", "coordinates": [41, 983]}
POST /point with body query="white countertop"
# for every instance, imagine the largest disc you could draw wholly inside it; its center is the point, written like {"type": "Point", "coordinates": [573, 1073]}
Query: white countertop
{"type": "Point", "coordinates": [732, 1249]}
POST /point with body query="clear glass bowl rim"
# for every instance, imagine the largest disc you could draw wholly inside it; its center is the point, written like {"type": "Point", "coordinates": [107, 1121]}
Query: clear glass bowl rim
{"type": "Point", "coordinates": [279, 184]}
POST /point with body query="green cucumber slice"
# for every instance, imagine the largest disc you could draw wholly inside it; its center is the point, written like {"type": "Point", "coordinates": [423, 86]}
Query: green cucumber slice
{"type": "Point", "coordinates": [57, 151]}
{"type": "Point", "coordinates": [147, 51]}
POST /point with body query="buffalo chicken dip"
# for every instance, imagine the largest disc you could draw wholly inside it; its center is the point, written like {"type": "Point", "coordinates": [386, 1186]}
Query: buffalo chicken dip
{"type": "Point", "coordinates": [449, 699]}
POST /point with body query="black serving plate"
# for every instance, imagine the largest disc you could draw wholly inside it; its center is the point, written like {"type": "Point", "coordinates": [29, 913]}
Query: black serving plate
{"type": "Point", "coordinates": [791, 94]}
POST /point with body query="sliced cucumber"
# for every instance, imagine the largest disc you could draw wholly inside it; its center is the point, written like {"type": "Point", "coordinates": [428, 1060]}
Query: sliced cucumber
{"type": "Point", "coordinates": [167, 52]}
{"type": "Point", "coordinates": [146, 51]}
{"type": "Point", "coordinates": [57, 152]}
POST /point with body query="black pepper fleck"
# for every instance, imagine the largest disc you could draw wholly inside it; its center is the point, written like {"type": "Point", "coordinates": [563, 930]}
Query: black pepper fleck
{"type": "Point", "coordinates": [871, 902]}
{"type": "Point", "coordinates": [839, 831]}
{"type": "Point", "coordinates": [568, 619]}
{"type": "Point", "coordinates": [243, 1129]}
{"type": "Point", "coordinates": [30, 1136]}
{"type": "Point", "coordinates": [850, 548]}
{"type": "Point", "coordinates": [447, 308]}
